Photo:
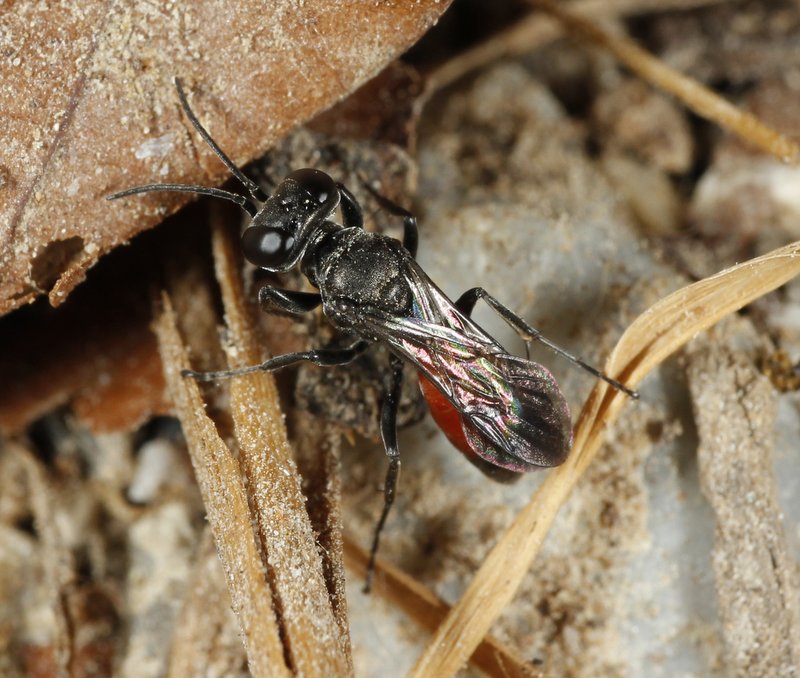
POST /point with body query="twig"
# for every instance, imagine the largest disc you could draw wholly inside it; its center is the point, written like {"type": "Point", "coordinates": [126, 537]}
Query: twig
{"type": "Point", "coordinates": [226, 503]}
{"type": "Point", "coordinates": [536, 30]}
{"type": "Point", "coordinates": [693, 94]}
{"type": "Point", "coordinates": [424, 607]}
{"type": "Point", "coordinates": [311, 635]}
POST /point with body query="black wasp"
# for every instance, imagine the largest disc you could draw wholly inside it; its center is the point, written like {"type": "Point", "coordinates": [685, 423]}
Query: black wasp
{"type": "Point", "coordinates": [506, 414]}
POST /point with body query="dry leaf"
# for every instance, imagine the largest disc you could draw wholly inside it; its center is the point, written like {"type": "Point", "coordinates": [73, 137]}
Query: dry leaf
{"type": "Point", "coordinates": [96, 351]}
{"type": "Point", "coordinates": [89, 108]}
{"type": "Point", "coordinates": [104, 359]}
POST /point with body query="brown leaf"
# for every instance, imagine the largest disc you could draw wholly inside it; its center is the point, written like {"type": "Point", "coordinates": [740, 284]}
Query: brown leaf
{"type": "Point", "coordinates": [98, 352]}
{"type": "Point", "coordinates": [90, 109]}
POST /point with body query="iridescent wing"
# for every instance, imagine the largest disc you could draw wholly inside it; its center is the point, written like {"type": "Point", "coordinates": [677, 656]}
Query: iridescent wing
{"type": "Point", "coordinates": [510, 411]}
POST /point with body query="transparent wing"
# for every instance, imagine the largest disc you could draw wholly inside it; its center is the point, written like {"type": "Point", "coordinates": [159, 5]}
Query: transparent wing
{"type": "Point", "coordinates": [511, 412]}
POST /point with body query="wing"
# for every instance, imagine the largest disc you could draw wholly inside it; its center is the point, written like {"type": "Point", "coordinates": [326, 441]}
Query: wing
{"type": "Point", "coordinates": [504, 410]}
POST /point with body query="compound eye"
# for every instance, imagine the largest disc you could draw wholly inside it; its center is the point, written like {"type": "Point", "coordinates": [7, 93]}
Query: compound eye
{"type": "Point", "coordinates": [314, 182]}
{"type": "Point", "coordinates": [267, 246]}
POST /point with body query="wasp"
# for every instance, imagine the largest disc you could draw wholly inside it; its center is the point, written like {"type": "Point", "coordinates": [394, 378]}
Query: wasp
{"type": "Point", "coordinates": [506, 414]}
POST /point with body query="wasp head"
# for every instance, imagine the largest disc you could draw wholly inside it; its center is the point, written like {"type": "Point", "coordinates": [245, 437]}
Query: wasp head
{"type": "Point", "coordinates": [278, 234]}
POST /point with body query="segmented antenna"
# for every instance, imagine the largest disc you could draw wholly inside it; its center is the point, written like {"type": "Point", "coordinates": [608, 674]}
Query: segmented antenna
{"type": "Point", "coordinates": [252, 187]}
{"type": "Point", "coordinates": [188, 188]}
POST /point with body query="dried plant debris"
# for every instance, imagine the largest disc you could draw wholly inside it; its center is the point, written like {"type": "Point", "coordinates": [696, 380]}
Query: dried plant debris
{"type": "Point", "coordinates": [755, 572]}
{"type": "Point", "coordinates": [81, 564]}
{"type": "Point", "coordinates": [728, 42]}
{"type": "Point", "coordinates": [560, 181]}
{"type": "Point", "coordinates": [225, 499]}
{"type": "Point", "coordinates": [701, 100]}
{"type": "Point", "coordinates": [90, 107]}
{"type": "Point", "coordinates": [492, 656]}
{"type": "Point", "coordinates": [314, 639]}
{"type": "Point", "coordinates": [317, 451]}
{"type": "Point", "coordinates": [746, 203]}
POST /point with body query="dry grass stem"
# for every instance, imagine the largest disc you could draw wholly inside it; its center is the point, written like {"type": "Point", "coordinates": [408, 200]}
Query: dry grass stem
{"type": "Point", "coordinates": [653, 336]}
{"type": "Point", "coordinates": [225, 499]}
{"type": "Point", "coordinates": [313, 637]}
{"type": "Point", "coordinates": [428, 610]}
{"type": "Point", "coordinates": [536, 30]}
{"type": "Point", "coordinates": [693, 94]}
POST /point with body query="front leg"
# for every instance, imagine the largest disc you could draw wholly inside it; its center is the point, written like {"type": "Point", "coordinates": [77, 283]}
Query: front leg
{"type": "Point", "coordinates": [272, 299]}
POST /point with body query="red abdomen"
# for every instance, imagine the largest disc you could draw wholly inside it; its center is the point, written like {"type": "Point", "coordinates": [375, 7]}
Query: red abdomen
{"type": "Point", "coordinates": [445, 415]}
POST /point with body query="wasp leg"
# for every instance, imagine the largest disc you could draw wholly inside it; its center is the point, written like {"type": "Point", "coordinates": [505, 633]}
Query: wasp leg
{"type": "Point", "coordinates": [410, 229]}
{"type": "Point", "coordinates": [323, 357]}
{"type": "Point", "coordinates": [287, 301]}
{"type": "Point", "coordinates": [351, 210]}
{"type": "Point", "coordinates": [389, 435]}
{"type": "Point", "coordinates": [466, 303]}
